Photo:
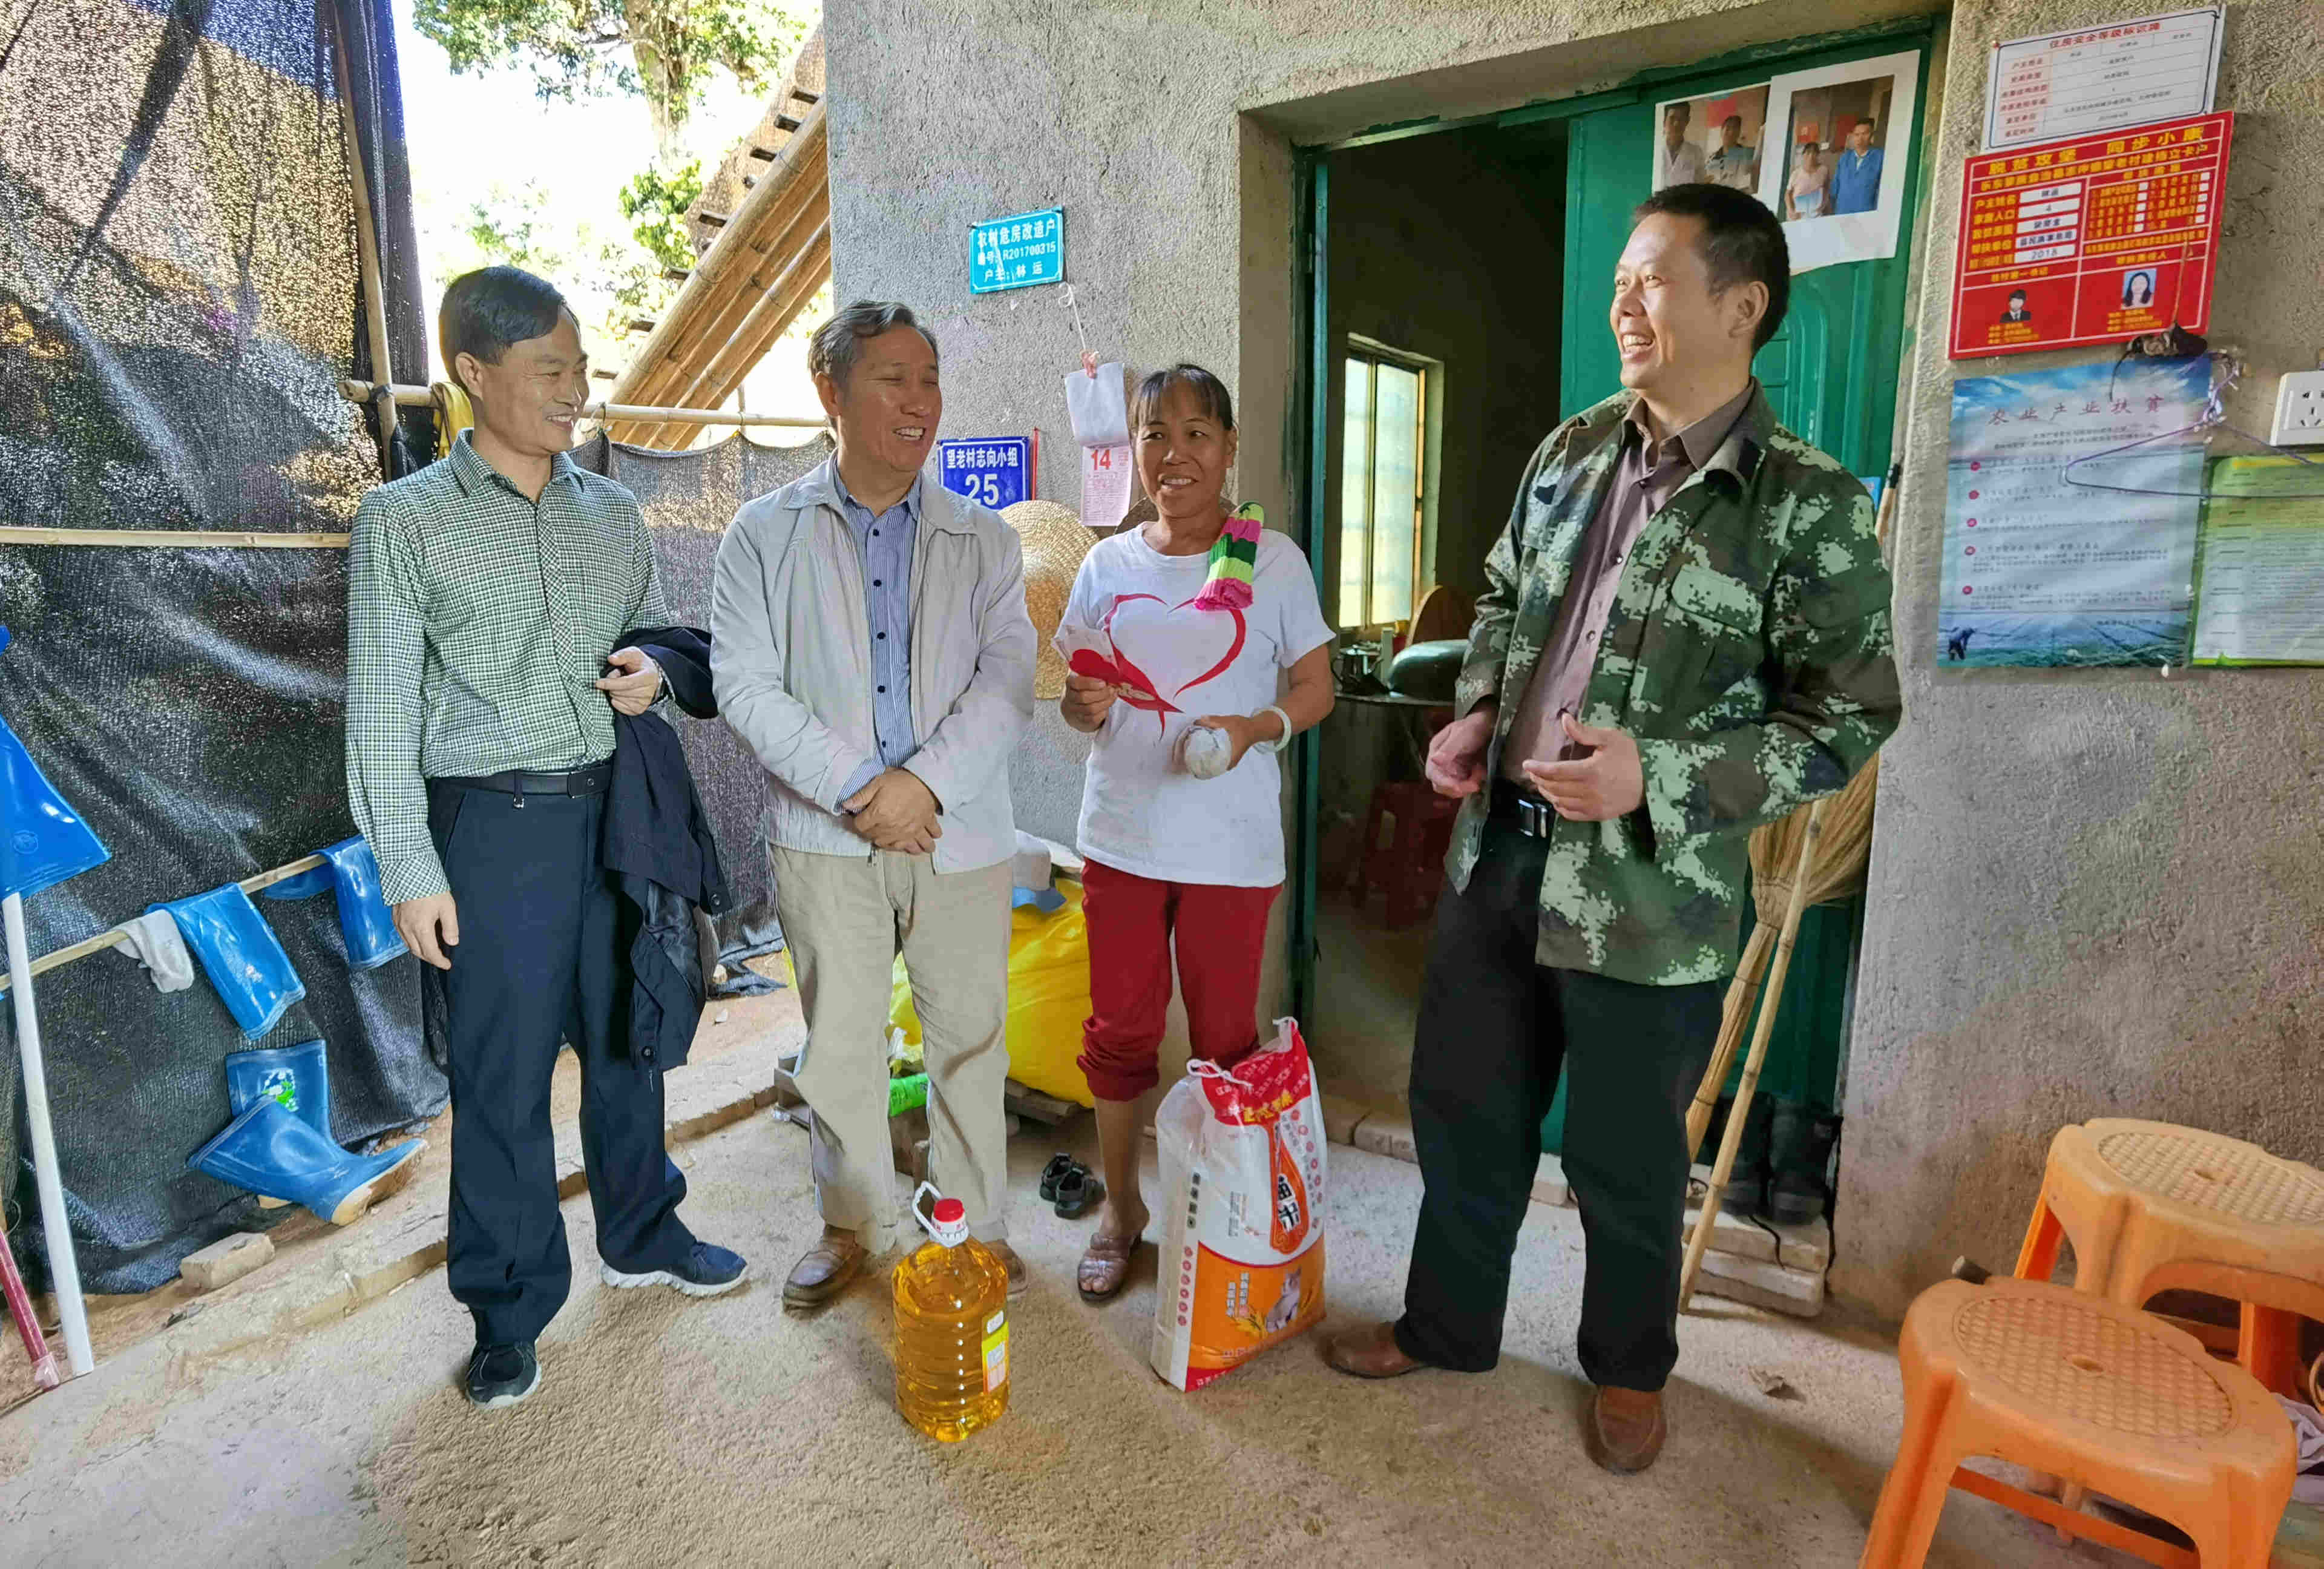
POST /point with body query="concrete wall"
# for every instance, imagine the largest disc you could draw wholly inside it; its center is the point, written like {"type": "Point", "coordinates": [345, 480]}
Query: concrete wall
{"type": "Point", "coordinates": [2090, 893]}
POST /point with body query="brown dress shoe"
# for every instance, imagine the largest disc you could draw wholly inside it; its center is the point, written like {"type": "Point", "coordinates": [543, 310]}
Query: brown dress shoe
{"type": "Point", "coordinates": [1624, 1430]}
{"type": "Point", "coordinates": [825, 1269]}
{"type": "Point", "coordinates": [1017, 1279]}
{"type": "Point", "coordinates": [1370, 1353]}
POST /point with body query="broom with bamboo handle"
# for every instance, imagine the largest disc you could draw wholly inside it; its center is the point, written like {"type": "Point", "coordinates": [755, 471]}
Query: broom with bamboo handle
{"type": "Point", "coordinates": [1708, 1217]}
{"type": "Point", "coordinates": [1739, 993]}
{"type": "Point", "coordinates": [1840, 867]}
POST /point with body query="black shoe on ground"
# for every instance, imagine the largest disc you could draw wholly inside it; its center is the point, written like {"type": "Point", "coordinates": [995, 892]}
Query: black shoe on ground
{"type": "Point", "coordinates": [707, 1271]}
{"type": "Point", "coordinates": [1802, 1141]}
{"type": "Point", "coordinates": [1746, 1197]}
{"type": "Point", "coordinates": [502, 1375]}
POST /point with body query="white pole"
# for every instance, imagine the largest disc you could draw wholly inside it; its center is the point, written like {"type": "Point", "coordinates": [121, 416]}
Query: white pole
{"type": "Point", "coordinates": [64, 1272]}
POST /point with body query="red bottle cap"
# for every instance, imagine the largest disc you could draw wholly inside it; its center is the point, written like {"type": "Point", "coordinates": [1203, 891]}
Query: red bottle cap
{"type": "Point", "coordinates": [948, 1212]}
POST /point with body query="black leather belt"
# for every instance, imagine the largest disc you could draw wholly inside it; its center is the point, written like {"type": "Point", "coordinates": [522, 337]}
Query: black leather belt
{"type": "Point", "coordinates": [1523, 810]}
{"type": "Point", "coordinates": [592, 781]}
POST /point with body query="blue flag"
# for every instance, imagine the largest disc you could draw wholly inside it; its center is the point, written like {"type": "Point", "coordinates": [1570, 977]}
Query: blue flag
{"type": "Point", "coordinates": [42, 840]}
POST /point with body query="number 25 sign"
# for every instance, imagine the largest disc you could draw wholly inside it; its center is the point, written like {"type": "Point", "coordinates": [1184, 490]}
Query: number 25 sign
{"type": "Point", "coordinates": [997, 470]}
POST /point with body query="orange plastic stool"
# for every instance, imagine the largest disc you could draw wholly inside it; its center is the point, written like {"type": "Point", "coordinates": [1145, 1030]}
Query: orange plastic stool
{"type": "Point", "coordinates": [2102, 1395]}
{"type": "Point", "coordinates": [2151, 1207]}
{"type": "Point", "coordinates": [1411, 864]}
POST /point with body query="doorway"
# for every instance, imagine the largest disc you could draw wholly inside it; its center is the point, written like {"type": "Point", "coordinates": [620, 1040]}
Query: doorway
{"type": "Point", "coordinates": [1480, 253]}
{"type": "Point", "coordinates": [1443, 322]}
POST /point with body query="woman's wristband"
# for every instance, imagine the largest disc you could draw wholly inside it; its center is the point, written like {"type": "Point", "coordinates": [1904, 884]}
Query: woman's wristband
{"type": "Point", "coordinates": [1282, 741]}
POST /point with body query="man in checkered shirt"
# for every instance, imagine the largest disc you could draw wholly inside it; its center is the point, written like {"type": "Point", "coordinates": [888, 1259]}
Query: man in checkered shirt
{"type": "Point", "coordinates": [485, 595]}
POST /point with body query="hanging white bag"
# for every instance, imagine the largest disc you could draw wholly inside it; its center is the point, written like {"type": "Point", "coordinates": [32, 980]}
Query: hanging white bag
{"type": "Point", "coordinates": [1242, 1204]}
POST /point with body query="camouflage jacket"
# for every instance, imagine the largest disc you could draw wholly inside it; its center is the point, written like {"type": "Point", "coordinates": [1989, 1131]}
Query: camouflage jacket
{"type": "Point", "coordinates": [1748, 652]}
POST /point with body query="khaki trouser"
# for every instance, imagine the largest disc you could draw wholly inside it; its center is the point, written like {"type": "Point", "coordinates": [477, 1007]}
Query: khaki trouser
{"type": "Point", "coordinates": [842, 918]}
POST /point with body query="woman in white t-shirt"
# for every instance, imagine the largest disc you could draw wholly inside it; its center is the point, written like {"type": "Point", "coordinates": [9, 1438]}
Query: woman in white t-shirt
{"type": "Point", "coordinates": [1172, 857]}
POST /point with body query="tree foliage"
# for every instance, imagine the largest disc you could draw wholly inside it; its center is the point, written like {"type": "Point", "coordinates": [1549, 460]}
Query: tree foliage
{"type": "Point", "coordinates": [654, 203]}
{"type": "Point", "coordinates": [661, 50]}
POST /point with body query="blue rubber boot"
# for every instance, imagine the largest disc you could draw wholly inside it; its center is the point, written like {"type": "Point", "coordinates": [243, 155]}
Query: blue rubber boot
{"type": "Point", "coordinates": [298, 1077]}
{"type": "Point", "coordinates": [273, 1153]}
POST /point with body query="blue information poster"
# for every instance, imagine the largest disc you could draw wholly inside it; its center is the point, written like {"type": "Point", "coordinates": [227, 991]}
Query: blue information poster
{"type": "Point", "coordinates": [2042, 571]}
{"type": "Point", "coordinates": [1017, 252]}
{"type": "Point", "coordinates": [996, 470]}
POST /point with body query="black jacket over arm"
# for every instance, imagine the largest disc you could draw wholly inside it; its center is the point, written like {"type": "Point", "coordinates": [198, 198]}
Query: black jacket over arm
{"type": "Point", "coordinates": [659, 851]}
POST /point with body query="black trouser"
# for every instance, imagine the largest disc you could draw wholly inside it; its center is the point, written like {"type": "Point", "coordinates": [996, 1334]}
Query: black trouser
{"type": "Point", "coordinates": [540, 959]}
{"type": "Point", "coordinates": [1494, 1026]}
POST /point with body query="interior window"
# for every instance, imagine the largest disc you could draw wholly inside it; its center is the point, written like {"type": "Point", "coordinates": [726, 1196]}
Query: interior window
{"type": "Point", "coordinates": [1382, 482]}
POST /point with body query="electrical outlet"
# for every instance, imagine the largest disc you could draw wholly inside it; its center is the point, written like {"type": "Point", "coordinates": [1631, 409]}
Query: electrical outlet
{"type": "Point", "coordinates": [2300, 409]}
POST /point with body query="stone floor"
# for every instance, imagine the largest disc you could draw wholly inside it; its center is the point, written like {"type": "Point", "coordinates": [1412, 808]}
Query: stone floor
{"type": "Point", "coordinates": [728, 1432]}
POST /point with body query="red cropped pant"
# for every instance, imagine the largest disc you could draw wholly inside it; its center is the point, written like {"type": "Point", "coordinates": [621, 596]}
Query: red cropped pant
{"type": "Point", "coordinates": [1221, 936]}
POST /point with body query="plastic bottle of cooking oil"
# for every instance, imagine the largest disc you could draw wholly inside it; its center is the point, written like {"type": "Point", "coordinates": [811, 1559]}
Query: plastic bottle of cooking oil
{"type": "Point", "coordinates": [952, 1327]}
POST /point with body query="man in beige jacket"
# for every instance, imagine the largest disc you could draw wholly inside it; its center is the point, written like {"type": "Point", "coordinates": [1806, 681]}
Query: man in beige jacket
{"type": "Point", "coordinates": [870, 642]}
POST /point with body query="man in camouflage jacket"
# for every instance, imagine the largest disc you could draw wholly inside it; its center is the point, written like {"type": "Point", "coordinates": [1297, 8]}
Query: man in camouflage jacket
{"type": "Point", "coordinates": [1686, 634]}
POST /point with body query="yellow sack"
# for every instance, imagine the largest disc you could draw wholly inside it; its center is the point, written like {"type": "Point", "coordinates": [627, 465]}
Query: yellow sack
{"type": "Point", "coordinates": [1048, 999]}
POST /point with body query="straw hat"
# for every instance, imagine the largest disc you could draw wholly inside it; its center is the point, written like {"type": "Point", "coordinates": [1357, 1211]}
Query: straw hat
{"type": "Point", "coordinates": [1055, 543]}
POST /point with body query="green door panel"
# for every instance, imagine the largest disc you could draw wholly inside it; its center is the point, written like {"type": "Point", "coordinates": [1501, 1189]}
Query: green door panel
{"type": "Point", "coordinates": [1832, 372]}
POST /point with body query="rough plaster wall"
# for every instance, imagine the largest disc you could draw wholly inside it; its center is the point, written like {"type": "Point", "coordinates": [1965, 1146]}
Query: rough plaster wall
{"type": "Point", "coordinates": [2091, 895]}
{"type": "Point", "coordinates": [1165, 130]}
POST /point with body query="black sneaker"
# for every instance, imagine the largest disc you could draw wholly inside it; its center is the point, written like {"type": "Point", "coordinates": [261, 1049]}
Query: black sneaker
{"type": "Point", "coordinates": [707, 1271]}
{"type": "Point", "coordinates": [503, 1375]}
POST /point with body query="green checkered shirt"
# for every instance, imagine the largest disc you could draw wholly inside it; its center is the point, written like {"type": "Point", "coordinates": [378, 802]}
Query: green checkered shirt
{"type": "Point", "coordinates": [478, 624]}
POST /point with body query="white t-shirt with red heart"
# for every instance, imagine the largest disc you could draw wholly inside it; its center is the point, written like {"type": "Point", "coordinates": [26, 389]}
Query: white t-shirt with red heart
{"type": "Point", "coordinates": [1141, 811]}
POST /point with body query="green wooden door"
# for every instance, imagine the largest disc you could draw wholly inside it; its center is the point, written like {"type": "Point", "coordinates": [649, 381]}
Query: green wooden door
{"type": "Point", "coordinates": [1832, 373]}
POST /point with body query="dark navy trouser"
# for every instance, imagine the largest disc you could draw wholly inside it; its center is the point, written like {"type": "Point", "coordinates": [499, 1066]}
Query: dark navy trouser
{"type": "Point", "coordinates": [539, 961]}
{"type": "Point", "coordinates": [1494, 1029]}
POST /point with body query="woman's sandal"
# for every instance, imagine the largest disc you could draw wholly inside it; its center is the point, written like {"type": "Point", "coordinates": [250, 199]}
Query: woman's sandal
{"type": "Point", "coordinates": [1104, 1269]}
{"type": "Point", "coordinates": [1053, 1172]}
{"type": "Point", "coordinates": [1077, 1192]}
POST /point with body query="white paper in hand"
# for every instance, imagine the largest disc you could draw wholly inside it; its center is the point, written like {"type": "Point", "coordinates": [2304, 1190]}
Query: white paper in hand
{"type": "Point", "coordinates": [1099, 408]}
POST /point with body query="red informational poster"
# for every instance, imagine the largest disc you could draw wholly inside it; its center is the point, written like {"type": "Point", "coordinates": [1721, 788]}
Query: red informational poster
{"type": "Point", "coordinates": [2094, 240]}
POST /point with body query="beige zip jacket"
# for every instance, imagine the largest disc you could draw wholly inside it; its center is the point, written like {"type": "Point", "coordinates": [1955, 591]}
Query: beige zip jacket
{"type": "Point", "coordinates": [790, 659]}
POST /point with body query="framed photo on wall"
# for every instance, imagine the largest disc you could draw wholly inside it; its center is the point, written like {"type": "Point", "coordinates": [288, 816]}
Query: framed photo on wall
{"type": "Point", "coordinates": [1716, 139]}
{"type": "Point", "coordinates": [1833, 159]}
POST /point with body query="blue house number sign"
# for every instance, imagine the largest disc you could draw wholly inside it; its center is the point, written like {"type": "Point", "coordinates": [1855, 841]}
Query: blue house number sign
{"type": "Point", "coordinates": [995, 470]}
{"type": "Point", "coordinates": [1017, 253]}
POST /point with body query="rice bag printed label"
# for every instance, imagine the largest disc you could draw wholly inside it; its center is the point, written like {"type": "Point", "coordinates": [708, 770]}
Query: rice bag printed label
{"type": "Point", "coordinates": [1242, 1172]}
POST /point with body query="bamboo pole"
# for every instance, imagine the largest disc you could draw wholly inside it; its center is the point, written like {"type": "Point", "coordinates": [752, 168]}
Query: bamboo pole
{"type": "Point", "coordinates": [1735, 1015]}
{"type": "Point", "coordinates": [1706, 1220]}
{"type": "Point", "coordinates": [774, 309]}
{"type": "Point", "coordinates": [56, 1225]}
{"type": "Point", "coordinates": [113, 938]}
{"type": "Point", "coordinates": [411, 397]}
{"type": "Point", "coordinates": [700, 321]}
{"type": "Point", "coordinates": [806, 144]}
{"type": "Point", "coordinates": [687, 374]}
{"type": "Point", "coordinates": [383, 367]}
{"type": "Point", "coordinates": [174, 538]}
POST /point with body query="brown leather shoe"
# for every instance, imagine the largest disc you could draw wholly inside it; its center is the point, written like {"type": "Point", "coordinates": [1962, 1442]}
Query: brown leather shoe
{"type": "Point", "coordinates": [1017, 1279]}
{"type": "Point", "coordinates": [1624, 1430]}
{"type": "Point", "coordinates": [1370, 1353]}
{"type": "Point", "coordinates": [825, 1269]}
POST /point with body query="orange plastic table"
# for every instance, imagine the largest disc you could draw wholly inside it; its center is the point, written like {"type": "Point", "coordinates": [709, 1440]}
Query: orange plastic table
{"type": "Point", "coordinates": [2153, 1207]}
{"type": "Point", "coordinates": [2102, 1395]}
